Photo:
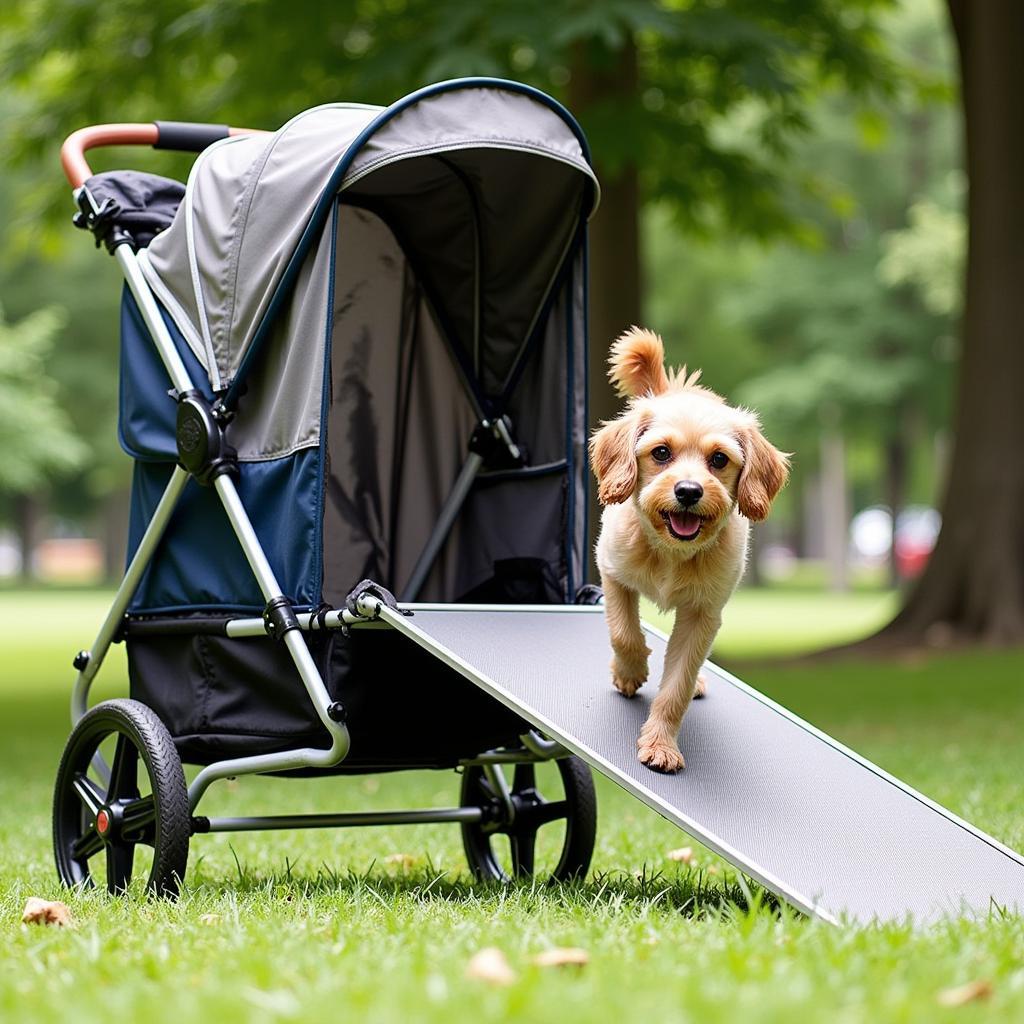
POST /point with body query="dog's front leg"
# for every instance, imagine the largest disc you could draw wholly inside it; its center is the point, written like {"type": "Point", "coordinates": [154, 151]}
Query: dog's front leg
{"type": "Point", "coordinates": [688, 646]}
{"type": "Point", "coordinates": [622, 613]}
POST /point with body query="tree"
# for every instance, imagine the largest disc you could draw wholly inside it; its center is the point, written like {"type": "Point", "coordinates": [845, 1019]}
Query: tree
{"type": "Point", "coordinates": [36, 437]}
{"type": "Point", "coordinates": [653, 81]}
{"type": "Point", "coordinates": [973, 587]}
{"type": "Point", "coordinates": [845, 363]}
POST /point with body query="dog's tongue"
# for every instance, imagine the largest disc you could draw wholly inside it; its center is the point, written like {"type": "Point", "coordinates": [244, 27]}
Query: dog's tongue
{"type": "Point", "coordinates": [684, 524]}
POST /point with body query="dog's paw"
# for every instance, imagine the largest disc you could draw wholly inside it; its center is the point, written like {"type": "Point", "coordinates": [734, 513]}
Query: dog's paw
{"type": "Point", "coordinates": [628, 677]}
{"type": "Point", "coordinates": [627, 685]}
{"type": "Point", "coordinates": [701, 688]}
{"type": "Point", "coordinates": [660, 756]}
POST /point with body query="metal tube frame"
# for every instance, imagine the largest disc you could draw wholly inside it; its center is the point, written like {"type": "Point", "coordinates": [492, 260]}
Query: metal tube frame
{"type": "Point", "coordinates": [311, 757]}
{"type": "Point", "coordinates": [356, 819]}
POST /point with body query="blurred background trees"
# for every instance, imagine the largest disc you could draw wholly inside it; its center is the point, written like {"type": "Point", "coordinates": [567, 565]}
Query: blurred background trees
{"type": "Point", "coordinates": [783, 198]}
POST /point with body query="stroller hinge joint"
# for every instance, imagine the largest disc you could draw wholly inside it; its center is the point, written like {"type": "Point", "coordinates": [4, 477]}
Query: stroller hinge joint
{"type": "Point", "coordinates": [279, 617]}
{"type": "Point", "coordinates": [492, 440]}
{"type": "Point", "coordinates": [101, 220]}
{"type": "Point", "coordinates": [365, 599]}
{"type": "Point", "coordinates": [202, 447]}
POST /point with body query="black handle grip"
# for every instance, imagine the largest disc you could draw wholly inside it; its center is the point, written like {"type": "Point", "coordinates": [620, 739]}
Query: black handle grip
{"type": "Point", "coordinates": [187, 137]}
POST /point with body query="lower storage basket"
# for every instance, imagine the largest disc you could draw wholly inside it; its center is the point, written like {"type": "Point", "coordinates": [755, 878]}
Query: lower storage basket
{"type": "Point", "coordinates": [223, 698]}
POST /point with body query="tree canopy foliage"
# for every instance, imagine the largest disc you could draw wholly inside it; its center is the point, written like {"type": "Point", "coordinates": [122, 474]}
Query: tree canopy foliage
{"type": "Point", "coordinates": [701, 62]}
{"type": "Point", "coordinates": [36, 435]}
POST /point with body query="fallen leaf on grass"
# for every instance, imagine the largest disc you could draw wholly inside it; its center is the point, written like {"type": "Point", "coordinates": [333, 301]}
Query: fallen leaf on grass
{"type": "Point", "coordinates": [713, 869]}
{"type": "Point", "coordinates": [684, 854]}
{"type": "Point", "coordinates": [405, 861]}
{"type": "Point", "coordinates": [963, 994]}
{"type": "Point", "coordinates": [492, 966]}
{"type": "Point", "coordinates": [568, 957]}
{"type": "Point", "coordinates": [38, 911]}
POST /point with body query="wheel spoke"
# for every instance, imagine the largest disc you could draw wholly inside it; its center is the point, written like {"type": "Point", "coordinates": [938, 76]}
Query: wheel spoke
{"type": "Point", "coordinates": [124, 771]}
{"type": "Point", "coordinates": [544, 813]}
{"type": "Point", "coordinates": [89, 793]}
{"type": "Point", "coordinates": [524, 777]}
{"type": "Point", "coordinates": [120, 858]}
{"type": "Point", "coordinates": [138, 820]}
{"type": "Point", "coordinates": [522, 844]}
{"type": "Point", "coordinates": [87, 845]}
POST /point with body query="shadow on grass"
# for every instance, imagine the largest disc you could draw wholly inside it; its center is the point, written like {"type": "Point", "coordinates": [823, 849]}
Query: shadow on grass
{"type": "Point", "coordinates": [694, 893]}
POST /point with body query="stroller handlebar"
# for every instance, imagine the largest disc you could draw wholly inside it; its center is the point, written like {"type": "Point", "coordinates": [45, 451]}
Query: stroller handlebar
{"type": "Point", "coordinates": [178, 135]}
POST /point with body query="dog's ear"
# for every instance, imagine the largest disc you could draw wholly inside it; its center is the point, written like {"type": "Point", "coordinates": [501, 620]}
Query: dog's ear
{"type": "Point", "coordinates": [613, 456]}
{"type": "Point", "coordinates": [637, 364]}
{"type": "Point", "coordinates": [765, 472]}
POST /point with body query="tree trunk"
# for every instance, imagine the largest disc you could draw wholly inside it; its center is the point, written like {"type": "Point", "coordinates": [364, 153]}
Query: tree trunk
{"type": "Point", "coordinates": [835, 509]}
{"type": "Point", "coordinates": [973, 587]}
{"type": "Point", "coordinates": [114, 534]}
{"type": "Point", "coordinates": [599, 76]}
{"type": "Point", "coordinates": [897, 457]}
{"type": "Point", "coordinates": [28, 513]}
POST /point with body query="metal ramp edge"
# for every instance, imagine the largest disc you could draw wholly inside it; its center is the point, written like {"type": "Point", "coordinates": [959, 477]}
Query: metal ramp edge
{"type": "Point", "coordinates": [427, 627]}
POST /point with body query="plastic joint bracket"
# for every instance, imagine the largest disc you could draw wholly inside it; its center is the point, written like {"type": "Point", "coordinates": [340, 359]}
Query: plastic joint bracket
{"type": "Point", "coordinates": [202, 447]}
{"type": "Point", "coordinates": [279, 617]}
{"type": "Point", "coordinates": [367, 588]}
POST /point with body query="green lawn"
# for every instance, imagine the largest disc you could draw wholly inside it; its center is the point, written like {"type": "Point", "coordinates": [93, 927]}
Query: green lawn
{"type": "Point", "coordinates": [791, 621]}
{"type": "Point", "coordinates": [322, 926]}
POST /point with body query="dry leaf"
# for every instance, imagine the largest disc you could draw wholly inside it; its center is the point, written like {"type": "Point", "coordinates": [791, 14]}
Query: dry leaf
{"type": "Point", "coordinates": [209, 919]}
{"type": "Point", "coordinates": [568, 957]}
{"type": "Point", "coordinates": [962, 994]}
{"type": "Point", "coordinates": [683, 854]}
{"type": "Point", "coordinates": [492, 966]}
{"type": "Point", "coordinates": [39, 911]}
{"type": "Point", "coordinates": [405, 861]}
{"type": "Point", "coordinates": [713, 869]}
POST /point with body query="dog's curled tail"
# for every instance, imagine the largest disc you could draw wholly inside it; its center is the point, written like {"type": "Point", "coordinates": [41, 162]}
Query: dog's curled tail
{"type": "Point", "coordinates": [637, 364]}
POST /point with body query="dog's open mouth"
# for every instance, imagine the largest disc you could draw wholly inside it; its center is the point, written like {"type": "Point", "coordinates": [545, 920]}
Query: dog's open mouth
{"type": "Point", "coordinates": [683, 525]}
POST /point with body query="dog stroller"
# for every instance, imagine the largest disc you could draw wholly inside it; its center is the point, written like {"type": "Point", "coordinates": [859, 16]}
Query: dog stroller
{"type": "Point", "coordinates": [373, 324]}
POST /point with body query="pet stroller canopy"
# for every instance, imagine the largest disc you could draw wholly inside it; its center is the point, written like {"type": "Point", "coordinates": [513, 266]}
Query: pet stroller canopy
{"type": "Point", "coordinates": [365, 288]}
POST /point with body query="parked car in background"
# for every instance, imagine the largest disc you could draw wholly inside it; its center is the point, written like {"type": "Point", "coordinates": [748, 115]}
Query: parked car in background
{"type": "Point", "coordinates": [873, 540]}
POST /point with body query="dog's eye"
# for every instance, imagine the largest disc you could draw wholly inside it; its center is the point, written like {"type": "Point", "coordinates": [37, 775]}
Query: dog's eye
{"type": "Point", "coordinates": [661, 453]}
{"type": "Point", "coordinates": [719, 460]}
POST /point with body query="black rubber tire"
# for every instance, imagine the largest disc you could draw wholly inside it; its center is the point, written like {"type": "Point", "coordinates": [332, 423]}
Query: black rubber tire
{"type": "Point", "coordinates": [579, 813]}
{"type": "Point", "coordinates": [160, 820]}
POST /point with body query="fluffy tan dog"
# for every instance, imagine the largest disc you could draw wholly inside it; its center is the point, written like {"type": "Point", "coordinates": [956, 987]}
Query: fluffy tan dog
{"type": "Point", "coordinates": [680, 473]}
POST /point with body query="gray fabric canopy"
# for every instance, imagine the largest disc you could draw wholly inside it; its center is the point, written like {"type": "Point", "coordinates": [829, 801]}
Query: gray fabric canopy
{"type": "Point", "coordinates": [482, 188]}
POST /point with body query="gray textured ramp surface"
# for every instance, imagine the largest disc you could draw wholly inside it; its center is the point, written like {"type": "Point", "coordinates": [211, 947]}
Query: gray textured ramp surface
{"type": "Point", "coordinates": [819, 826]}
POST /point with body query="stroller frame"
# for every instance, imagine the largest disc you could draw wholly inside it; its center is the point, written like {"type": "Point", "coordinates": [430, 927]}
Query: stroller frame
{"type": "Point", "coordinates": [278, 621]}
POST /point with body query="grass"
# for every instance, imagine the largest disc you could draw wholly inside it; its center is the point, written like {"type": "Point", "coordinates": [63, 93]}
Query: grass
{"type": "Point", "coordinates": [327, 926]}
{"type": "Point", "coordinates": [789, 621]}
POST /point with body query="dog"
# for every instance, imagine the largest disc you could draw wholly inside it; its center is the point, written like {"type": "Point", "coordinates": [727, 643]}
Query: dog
{"type": "Point", "coordinates": [680, 474]}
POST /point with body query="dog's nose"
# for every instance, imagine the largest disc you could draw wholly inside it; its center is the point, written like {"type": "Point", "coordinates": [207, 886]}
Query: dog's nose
{"type": "Point", "coordinates": [688, 492]}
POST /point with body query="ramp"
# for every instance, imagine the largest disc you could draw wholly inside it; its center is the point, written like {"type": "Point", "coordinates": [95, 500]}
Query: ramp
{"type": "Point", "coordinates": [812, 821]}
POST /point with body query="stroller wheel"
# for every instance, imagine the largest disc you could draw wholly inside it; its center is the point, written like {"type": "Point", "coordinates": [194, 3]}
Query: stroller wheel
{"type": "Point", "coordinates": [554, 836]}
{"type": "Point", "coordinates": [106, 818]}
